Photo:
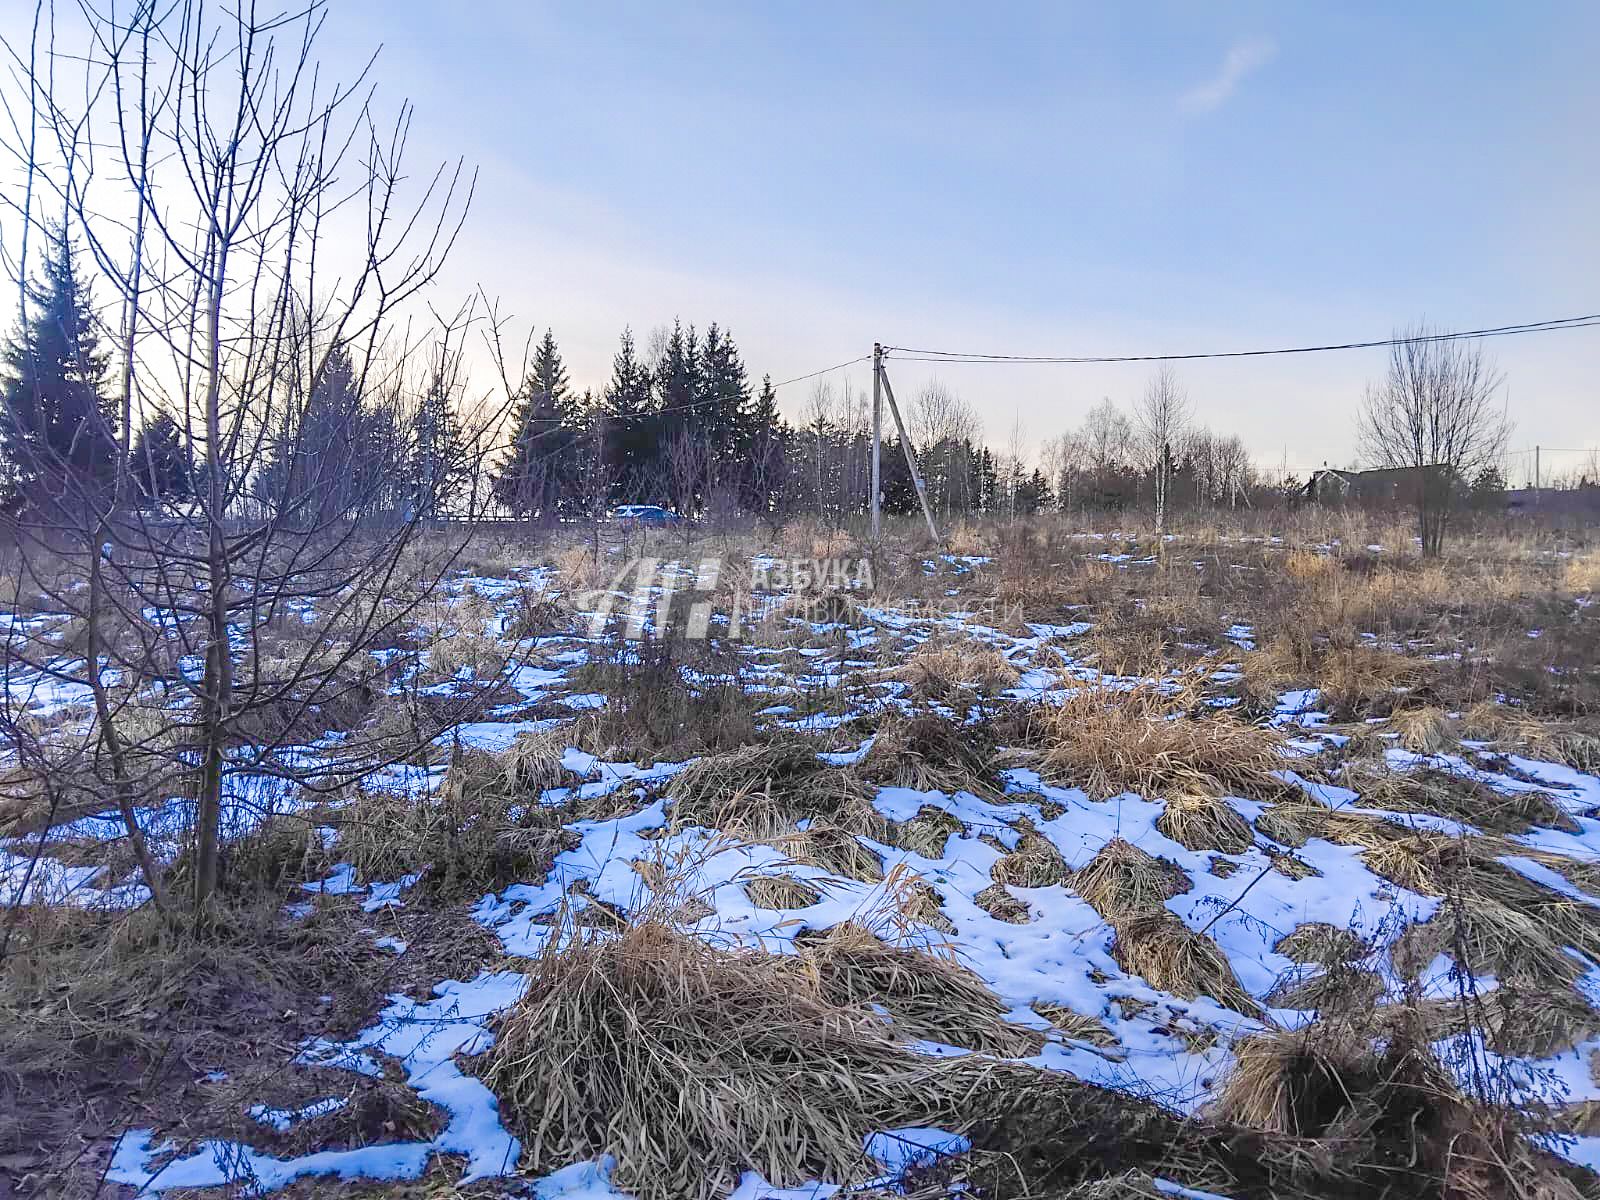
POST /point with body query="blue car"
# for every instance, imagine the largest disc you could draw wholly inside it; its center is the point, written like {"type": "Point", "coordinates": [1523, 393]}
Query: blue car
{"type": "Point", "coordinates": [645, 514]}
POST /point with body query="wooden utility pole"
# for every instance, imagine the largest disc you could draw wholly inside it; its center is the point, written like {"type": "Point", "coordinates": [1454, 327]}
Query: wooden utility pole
{"type": "Point", "coordinates": [877, 435]}
{"type": "Point", "coordinates": [905, 444]}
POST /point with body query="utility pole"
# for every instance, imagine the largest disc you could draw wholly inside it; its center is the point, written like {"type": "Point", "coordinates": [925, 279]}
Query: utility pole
{"type": "Point", "coordinates": [877, 435]}
{"type": "Point", "coordinates": [911, 459]}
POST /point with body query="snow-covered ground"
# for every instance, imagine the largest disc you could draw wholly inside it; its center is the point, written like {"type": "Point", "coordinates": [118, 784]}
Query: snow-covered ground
{"type": "Point", "coordinates": [1173, 1049]}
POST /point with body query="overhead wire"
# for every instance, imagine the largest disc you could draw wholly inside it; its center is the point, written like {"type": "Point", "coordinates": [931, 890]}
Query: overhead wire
{"type": "Point", "coordinates": [915, 354]}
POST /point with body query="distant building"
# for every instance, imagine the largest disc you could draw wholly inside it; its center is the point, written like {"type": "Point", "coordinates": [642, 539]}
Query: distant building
{"type": "Point", "coordinates": [1387, 486]}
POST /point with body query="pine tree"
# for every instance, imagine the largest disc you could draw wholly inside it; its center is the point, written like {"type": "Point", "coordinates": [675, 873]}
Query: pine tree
{"type": "Point", "coordinates": [533, 475]}
{"type": "Point", "coordinates": [56, 423]}
{"type": "Point", "coordinates": [161, 463]}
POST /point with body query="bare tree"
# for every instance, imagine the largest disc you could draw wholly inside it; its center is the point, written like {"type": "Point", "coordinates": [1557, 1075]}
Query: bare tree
{"type": "Point", "coordinates": [1163, 417]}
{"type": "Point", "coordinates": [1435, 413]}
{"type": "Point", "coordinates": [1065, 460]}
{"type": "Point", "coordinates": [942, 426]}
{"type": "Point", "coordinates": [256, 225]}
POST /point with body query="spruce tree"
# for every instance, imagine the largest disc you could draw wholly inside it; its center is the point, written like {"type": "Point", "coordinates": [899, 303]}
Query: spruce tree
{"type": "Point", "coordinates": [161, 465]}
{"type": "Point", "coordinates": [438, 451]}
{"type": "Point", "coordinates": [328, 457]}
{"type": "Point", "coordinates": [722, 414]}
{"type": "Point", "coordinates": [631, 434]}
{"type": "Point", "coordinates": [676, 377]}
{"type": "Point", "coordinates": [765, 457]}
{"type": "Point", "coordinates": [534, 474]}
{"type": "Point", "coordinates": [57, 426]}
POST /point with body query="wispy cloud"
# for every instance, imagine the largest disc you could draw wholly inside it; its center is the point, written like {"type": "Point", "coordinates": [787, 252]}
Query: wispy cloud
{"type": "Point", "coordinates": [1242, 59]}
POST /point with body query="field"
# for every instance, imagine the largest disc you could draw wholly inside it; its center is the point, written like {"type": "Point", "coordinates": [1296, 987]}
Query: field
{"type": "Point", "coordinates": [1260, 859]}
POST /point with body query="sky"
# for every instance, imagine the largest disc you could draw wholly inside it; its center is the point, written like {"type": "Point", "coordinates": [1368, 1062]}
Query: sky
{"type": "Point", "coordinates": [1027, 179]}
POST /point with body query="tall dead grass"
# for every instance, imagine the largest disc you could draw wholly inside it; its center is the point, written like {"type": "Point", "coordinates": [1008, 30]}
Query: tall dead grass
{"type": "Point", "coordinates": [1108, 741]}
{"type": "Point", "coordinates": [692, 1065]}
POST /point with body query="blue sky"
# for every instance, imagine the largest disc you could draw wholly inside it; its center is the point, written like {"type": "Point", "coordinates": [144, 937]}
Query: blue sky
{"type": "Point", "coordinates": [1028, 178]}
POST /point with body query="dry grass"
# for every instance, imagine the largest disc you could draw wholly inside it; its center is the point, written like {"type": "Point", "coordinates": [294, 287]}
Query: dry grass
{"type": "Point", "coordinates": [1310, 1082]}
{"type": "Point", "coordinates": [1171, 956]}
{"type": "Point", "coordinates": [1122, 881]}
{"type": "Point", "coordinates": [928, 996]}
{"type": "Point", "coordinates": [1000, 904]}
{"type": "Point", "coordinates": [1393, 1114]}
{"type": "Point", "coordinates": [833, 848]}
{"type": "Point", "coordinates": [1425, 730]}
{"type": "Point", "coordinates": [781, 892]}
{"type": "Point", "coordinates": [942, 669]}
{"type": "Point", "coordinates": [1073, 1025]}
{"type": "Point", "coordinates": [1459, 798]}
{"type": "Point", "coordinates": [482, 829]}
{"type": "Point", "coordinates": [1506, 726]}
{"type": "Point", "coordinates": [1200, 821]}
{"type": "Point", "coordinates": [929, 753]}
{"type": "Point", "coordinates": [1293, 822]}
{"type": "Point", "coordinates": [1322, 944]}
{"type": "Point", "coordinates": [578, 570]}
{"type": "Point", "coordinates": [1033, 863]}
{"type": "Point", "coordinates": [1353, 678]}
{"type": "Point", "coordinates": [1108, 741]}
{"type": "Point", "coordinates": [1338, 990]}
{"type": "Point", "coordinates": [761, 791]}
{"type": "Point", "coordinates": [692, 1065]}
{"type": "Point", "coordinates": [927, 833]}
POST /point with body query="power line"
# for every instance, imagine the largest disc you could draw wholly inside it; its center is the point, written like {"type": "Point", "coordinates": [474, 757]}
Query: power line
{"type": "Point", "coordinates": [823, 371]}
{"type": "Point", "coordinates": [962, 356]}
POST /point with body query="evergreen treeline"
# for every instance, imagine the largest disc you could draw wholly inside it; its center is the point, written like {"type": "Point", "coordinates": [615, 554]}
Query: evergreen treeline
{"type": "Point", "coordinates": [679, 424]}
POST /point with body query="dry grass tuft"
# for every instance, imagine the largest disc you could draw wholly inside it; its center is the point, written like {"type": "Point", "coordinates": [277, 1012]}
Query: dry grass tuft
{"type": "Point", "coordinates": [761, 791]}
{"type": "Point", "coordinates": [1293, 822]}
{"type": "Point", "coordinates": [482, 829]}
{"type": "Point", "coordinates": [940, 670]}
{"type": "Point", "coordinates": [1308, 566]}
{"type": "Point", "coordinates": [822, 608]}
{"type": "Point", "coordinates": [1339, 990]}
{"type": "Point", "coordinates": [1318, 1081]}
{"type": "Point", "coordinates": [1319, 943]}
{"type": "Point", "coordinates": [1074, 1025]}
{"type": "Point", "coordinates": [1122, 881]}
{"type": "Point", "coordinates": [692, 1065]}
{"type": "Point", "coordinates": [781, 892]}
{"type": "Point", "coordinates": [579, 570]}
{"type": "Point", "coordinates": [927, 833]}
{"type": "Point", "coordinates": [1392, 1115]}
{"type": "Point", "coordinates": [929, 753]}
{"type": "Point", "coordinates": [1169, 955]}
{"type": "Point", "coordinates": [1365, 679]}
{"type": "Point", "coordinates": [1425, 730]}
{"type": "Point", "coordinates": [928, 996]}
{"type": "Point", "coordinates": [1035, 862]}
{"type": "Point", "coordinates": [1200, 821]}
{"type": "Point", "coordinates": [836, 850]}
{"type": "Point", "coordinates": [1000, 904]}
{"type": "Point", "coordinates": [1459, 798]}
{"type": "Point", "coordinates": [1108, 741]}
{"type": "Point", "coordinates": [1507, 727]}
